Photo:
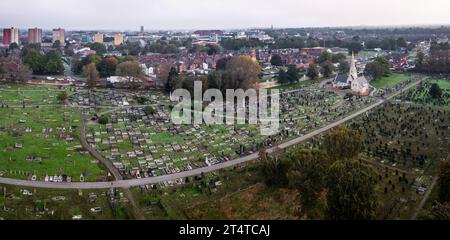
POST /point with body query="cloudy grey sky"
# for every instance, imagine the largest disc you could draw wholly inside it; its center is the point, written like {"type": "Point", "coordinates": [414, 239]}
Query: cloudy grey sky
{"type": "Point", "coordinates": [220, 14]}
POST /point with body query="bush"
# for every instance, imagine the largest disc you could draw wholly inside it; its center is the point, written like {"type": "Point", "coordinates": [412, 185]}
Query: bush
{"type": "Point", "coordinates": [103, 120]}
{"type": "Point", "coordinates": [149, 110]}
{"type": "Point", "coordinates": [62, 97]}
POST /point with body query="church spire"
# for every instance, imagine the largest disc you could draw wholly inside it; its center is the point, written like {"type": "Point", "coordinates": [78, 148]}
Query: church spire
{"type": "Point", "coordinates": [353, 70]}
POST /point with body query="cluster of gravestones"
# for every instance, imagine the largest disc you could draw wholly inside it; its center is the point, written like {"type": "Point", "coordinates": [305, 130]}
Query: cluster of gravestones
{"type": "Point", "coordinates": [407, 134]}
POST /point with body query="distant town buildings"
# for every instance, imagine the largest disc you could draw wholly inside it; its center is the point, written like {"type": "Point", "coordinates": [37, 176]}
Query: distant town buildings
{"type": "Point", "coordinates": [34, 35]}
{"type": "Point", "coordinates": [118, 39]}
{"type": "Point", "coordinates": [59, 35]}
{"type": "Point", "coordinates": [142, 30]}
{"type": "Point", "coordinates": [98, 38]}
{"type": "Point", "coordinates": [10, 35]}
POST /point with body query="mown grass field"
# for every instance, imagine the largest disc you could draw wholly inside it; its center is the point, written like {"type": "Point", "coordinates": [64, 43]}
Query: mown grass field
{"type": "Point", "coordinates": [391, 81]}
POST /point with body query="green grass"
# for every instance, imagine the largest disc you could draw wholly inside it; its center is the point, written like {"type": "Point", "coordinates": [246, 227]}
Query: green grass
{"type": "Point", "coordinates": [294, 85]}
{"type": "Point", "coordinates": [28, 94]}
{"type": "Point", "coordinates": [367, 54]}
{"type": "Point", "coordinates": [58, 152]}
{"type": "Point", "coordinates": [443, 84]}
{"type": "Point", "coordinates": [388, 82]}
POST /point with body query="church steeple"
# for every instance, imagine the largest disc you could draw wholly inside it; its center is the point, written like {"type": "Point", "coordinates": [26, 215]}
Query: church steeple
{"type": "Point", "coordinates": [353, 70]}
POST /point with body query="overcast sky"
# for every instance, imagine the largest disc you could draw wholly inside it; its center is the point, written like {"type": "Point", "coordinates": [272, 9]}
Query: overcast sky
{"type": "Point", "coordinates": [219, 14]}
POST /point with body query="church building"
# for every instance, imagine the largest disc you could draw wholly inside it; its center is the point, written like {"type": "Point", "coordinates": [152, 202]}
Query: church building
{"type": "Point", "coordinates": [357, 84]}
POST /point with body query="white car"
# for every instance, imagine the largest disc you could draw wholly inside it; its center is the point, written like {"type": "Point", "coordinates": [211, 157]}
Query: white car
{"type": "Point", "coordinates": [77, 217]}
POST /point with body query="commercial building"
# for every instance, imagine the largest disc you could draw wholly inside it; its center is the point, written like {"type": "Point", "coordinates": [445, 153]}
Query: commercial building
{"type": "Point", "coordinates": [34, 35]}
{"type": "Point", "coordinates": [10, 35]}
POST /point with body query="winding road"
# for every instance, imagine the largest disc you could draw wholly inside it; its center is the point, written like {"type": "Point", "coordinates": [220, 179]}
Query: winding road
{"type": "Point", "coordinates": [119, 183]}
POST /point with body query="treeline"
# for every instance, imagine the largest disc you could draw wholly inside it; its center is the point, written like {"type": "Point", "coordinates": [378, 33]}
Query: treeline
{"type": "Point", "coordinates": [388, 44]}
{"type": "Point", "coordinates": [437, 62]}
{"type": "Point", "coordinates": [331, 181]}
{"type": "Point", "coordinates": [106, 66]}
{"type": "Point", "coordinates": [164, 47]}
{"type": "Point", "coordinates": [49, 63]}
{"type": "Point", "coordinates": [237, 44]}
{"type": "Point", "coordinates": [239, 72]}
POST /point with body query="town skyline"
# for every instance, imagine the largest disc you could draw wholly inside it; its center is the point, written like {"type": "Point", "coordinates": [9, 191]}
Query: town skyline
{"type": "Point", "coordinates": [201, 14]}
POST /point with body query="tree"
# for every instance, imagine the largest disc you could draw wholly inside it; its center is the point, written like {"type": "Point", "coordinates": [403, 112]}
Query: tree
{"type": "Point", "coordinates": [378, 68]}
{"type": "Point", "coordinates": [274, 169]}
{"type": "Point", "coordinates": [282, 77]}
{"type": "Point", "coordinates": [435, 91]}
{"type": "Point", "coordinates": [441, 211]}
{"type": "Point", "coordinates": [313, 72]}
{"type": "Point", "coordinates": [241, 73]}
{"type": "Point", "coordinates": [342, 143]}
{"type": "Point", "coordinates": [107, 66]}
{"type": "Point", "coordinates": [13, 46]}
{"type": "Point", "coordinates": [172, 80]}
{"type": "Point", "coordinates": [149, 110]}
{"type": "Point", "coordinates": [62, 97]}
{"type": "Point", "coordinates": [292, 74]}
{"type": "Point", "coordinates": [99, 48]}
{"type": "Point", "coordinates": [23, 73]}
{"type": "Point", "coordinates": [337, 58]}
{"type": "Point", "coordinates": [91, 74]}
{"type": "Point", "coordinates": [103, 120]}
{"type": "Point", "coordinates": [131, 70]}
{"type": "Point", "coordinates": [56, 44]}
{"type": "Point", "coordinates": [276, 60]}
{"type": "Point", "coordinates": [354, 47]}
{"type": "Point", "coordinates": [237, 44]}
{"type": "Point", "coordinates": [35, 61]}
{"type": "Point", "coordinates": [53, 62]}
{"type": "Point", "coordinates": [344, 67]}
{"type": "Point", "coordinates": [324, 57]}
{"type": "Point", "coordinates": [221, 64]}
{"type": "Point", "coordinates": [292, 42]}
{"type": "Point", "coordinates": [307, 174]}
{"type": "Point", "coordinates": [444, 181]}
{"type": "Point", "coordinates": [213, 49]}
{"type": "Point", "coordinates": [351, 191]}
{"type": "Point", "coordinates": [327, 68]}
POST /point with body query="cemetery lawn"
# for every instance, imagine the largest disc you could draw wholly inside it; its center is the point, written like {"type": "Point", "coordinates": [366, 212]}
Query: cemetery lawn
{"type": "Point", "coordinates": [391, 81]}
{"type": "Point", "coordinates": [420, 94]}
{"type": "Point", "coordinates": [443, 84]}
{"type": "Point", "coordinates": [50, 136]}
{"type": "Point", "coordinates": [19, 94]}
{"type": "Point", "coordinates": [47, 204]}
{"type": "Point", "coordinates": [296, 85]}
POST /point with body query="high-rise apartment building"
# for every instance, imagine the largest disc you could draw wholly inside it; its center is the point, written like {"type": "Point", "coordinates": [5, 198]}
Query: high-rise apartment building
{"type": "Point", "coordinates": [10, 35]}
{"type": "Point", "coordinates": [59, 35]}
{"type": "Point", "coordinates": [118, 39]}
{"type": "Point", "coordinates": [34, 35]}
{"type": "Point", "coordinates": [98, 38]}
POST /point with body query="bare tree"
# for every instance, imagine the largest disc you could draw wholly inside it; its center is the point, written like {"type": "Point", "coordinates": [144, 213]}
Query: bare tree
{"type": "Point", "coordinates": [23, 73]}
{"type": "Point", "coordinates": [132, 71]}
{"type": "Point", "coordinates": [163, 73]}
{"type": "Point", "coordinates": [91, 74]}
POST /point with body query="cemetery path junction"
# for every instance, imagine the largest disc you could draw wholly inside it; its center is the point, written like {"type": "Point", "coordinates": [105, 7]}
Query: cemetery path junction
{"type": "Point", "coordinates": [194, 172]}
